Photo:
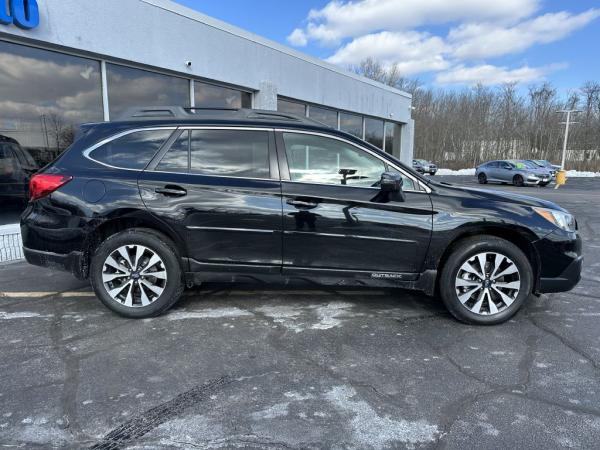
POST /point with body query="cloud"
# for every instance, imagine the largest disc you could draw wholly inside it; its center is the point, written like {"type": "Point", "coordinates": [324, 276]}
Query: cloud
{"type": "Point", "coordinates": [410, 51]}
{"type": "Point", "coordinates": [485, 40]}
{"type": "Point", "coordinates": [488, 74]}
{"type": "Point", "coordinates": [297, 38]}
{"type": "Point", "coordinates": [339, 20]}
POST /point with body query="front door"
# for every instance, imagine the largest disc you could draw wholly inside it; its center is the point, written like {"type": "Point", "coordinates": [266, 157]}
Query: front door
{"type": "Point", "coordinates": [332, 218]}
{"type": "Point", "coordinates": [220, 188]}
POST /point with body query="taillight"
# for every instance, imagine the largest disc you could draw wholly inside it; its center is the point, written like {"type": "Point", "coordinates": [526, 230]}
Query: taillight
{"type": "Point", "coordinates": [45, 184]}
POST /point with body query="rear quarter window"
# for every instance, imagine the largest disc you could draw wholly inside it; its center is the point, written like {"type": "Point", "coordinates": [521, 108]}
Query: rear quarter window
{"type": "Point", "coordinates": [132, 151]}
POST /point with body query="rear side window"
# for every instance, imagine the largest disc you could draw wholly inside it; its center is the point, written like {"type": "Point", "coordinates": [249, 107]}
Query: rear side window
{"type": "Point", "coordinates": [233, 153]}
{"type": "Point", "coordinates": [132, 151]}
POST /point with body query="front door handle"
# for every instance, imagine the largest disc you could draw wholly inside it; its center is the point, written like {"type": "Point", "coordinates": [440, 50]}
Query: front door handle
{"type": "Point", "coordinates": [302, 203]}
{"type": "Point", "coordinates": [171, 191]}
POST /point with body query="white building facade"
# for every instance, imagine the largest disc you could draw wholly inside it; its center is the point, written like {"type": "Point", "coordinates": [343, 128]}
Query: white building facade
{"type": "Point", "coordinates": [64, 62]}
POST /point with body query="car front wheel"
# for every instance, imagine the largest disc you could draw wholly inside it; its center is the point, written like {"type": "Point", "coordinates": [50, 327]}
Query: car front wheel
{"type": "Point", "coordinates": [482, 178]}
{"type": "Point", "coordinates": [518, 181]}
{"type": "Point", "coordinates": [485, 280]}
{"type": "Point", "coordinates": [136, 273]}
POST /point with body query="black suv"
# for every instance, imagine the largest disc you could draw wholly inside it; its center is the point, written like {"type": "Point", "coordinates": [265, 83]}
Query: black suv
{"type": "Point", "coordinates": [172, 197]}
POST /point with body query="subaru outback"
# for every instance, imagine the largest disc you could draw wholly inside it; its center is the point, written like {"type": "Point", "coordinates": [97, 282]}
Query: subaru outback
{"type": "Point", "coordinates": [171, 197]}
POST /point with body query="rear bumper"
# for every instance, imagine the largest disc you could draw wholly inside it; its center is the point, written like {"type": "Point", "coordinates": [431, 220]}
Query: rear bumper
{"type": "Point", "coordinates": [71, 262]}
{"type": "Point", "coordinates": [567, 280]}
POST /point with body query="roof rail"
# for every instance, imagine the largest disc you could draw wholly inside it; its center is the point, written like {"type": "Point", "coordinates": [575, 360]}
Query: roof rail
{"type": "Point", "coordinates": [180, 112]}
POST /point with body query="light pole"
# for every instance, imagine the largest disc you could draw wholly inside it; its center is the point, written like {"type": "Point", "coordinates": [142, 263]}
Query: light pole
{"type": "Point", "coordinates": [568, 112]}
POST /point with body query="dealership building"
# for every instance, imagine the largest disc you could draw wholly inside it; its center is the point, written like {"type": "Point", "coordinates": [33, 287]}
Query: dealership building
{"type": "Point", "coordinates": [64, 62]}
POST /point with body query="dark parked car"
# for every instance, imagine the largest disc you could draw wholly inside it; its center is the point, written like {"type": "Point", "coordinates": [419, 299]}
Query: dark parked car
{"type": "Point", "coordinates": [423, 166]}
{"type": "Point", "coordinates": [519, 173]}
{"type": "Point", "coordinates": [168, 198]}
{"type": "Point", "coordinates": [16, 168]}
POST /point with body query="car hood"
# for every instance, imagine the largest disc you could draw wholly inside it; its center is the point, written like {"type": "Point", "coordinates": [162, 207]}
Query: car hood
{"type": "Point", "coordinates": [500, 196]}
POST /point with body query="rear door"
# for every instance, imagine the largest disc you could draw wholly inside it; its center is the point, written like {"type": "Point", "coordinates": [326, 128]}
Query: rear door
{"type": "Point", "coordinates": [220, 187]}
{"type": "Point", "coordinates": [332, 219]}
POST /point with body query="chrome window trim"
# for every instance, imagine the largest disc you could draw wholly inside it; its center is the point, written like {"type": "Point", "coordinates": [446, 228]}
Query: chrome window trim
{"type": "Point", "coordinates": [418, 182]}
{"type": "Point", "coordinates": [87, 152]}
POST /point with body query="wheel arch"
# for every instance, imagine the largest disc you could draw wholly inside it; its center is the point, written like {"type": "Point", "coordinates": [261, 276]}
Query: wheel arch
{"type": "Point", "coordinates": [521, 237]}
{"type": "Point", "coordinates": [123, 221]}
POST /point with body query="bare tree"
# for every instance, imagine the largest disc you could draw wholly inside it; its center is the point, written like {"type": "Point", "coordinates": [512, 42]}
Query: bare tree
{"type": "Point", "coordinates": [460, 128]}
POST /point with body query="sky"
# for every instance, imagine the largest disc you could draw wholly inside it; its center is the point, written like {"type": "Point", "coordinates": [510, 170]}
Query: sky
{"type": "Point", "coordinates": [443, 43]}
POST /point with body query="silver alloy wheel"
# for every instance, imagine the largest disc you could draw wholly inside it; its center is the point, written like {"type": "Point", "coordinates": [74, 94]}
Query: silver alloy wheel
{"type": "Point", "coordinates": [488, 283]}
{"type": "Point", "coordinates": [134, 276]}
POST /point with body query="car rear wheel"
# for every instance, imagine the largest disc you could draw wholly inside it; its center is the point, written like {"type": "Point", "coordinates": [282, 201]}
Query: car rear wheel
{"type": "Point", "coordinates": [485, 280]}
{"type": "Point", "coordinates": [482, 178]}
{"type": "Point", "coordinates": [518, 180]}
{"type": "Point", "coordinates": [136, 273]}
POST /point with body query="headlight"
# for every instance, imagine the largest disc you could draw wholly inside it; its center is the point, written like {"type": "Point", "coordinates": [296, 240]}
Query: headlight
{"type": "Point", "coordinates": [562, 220]}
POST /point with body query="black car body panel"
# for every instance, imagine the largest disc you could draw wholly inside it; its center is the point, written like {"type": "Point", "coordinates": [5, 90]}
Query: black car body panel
{"type": "Point", "coordinates": [239, 228]}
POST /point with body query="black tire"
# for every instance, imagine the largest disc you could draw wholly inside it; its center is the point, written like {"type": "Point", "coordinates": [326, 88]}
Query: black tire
{"type": "Point", "coordinates": [482, 178]}
{"type": "Point", "coordinates": [518, 181]}
{"type": "Point", "coordinates": [432, 173]}
{"type": "Point", "coordinates": [544, 184]}
{"type": "Point", "coordinates": [467, 249]}
{"type": "Point", "coordinates": [157, 243]}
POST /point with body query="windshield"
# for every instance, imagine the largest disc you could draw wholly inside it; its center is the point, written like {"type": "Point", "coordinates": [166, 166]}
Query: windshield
{"type": "Point", "coordinates": [517, 164]}
{"type": "Point", "coordinates": [531, 165]}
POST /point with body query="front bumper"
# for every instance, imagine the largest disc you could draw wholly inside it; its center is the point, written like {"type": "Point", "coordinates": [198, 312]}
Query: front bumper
{"type": "Point", "coordinates": [566, 281]}
{"type": "Point", "coordinates": [561, 261]}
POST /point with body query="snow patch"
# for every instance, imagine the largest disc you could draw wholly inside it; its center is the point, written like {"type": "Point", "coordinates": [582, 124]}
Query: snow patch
{"type": "Point", "coordinates": [373, 431]}
{"type": "Point", "coordinates": [218, 313]}
{"type": "Point", "coordinates": [295, 318]}
{"type": "Point", "coordinates": [20, 315]}
{"type": "Point", "coordinates": [456, 172]}
{"type": "Point", "coordinates": [272, 412]}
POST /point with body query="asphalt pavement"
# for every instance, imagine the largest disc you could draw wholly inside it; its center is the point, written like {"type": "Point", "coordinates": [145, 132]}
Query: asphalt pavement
{"type": "Point", "coordinates": [251, 367]}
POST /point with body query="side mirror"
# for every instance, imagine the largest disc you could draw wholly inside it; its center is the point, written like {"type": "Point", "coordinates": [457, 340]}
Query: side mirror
{"type": "Point", "coordinates": [391, 182]}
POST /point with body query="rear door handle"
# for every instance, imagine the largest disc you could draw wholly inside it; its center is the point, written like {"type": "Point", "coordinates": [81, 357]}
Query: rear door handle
{"type": "Point", "coordinates": [302, 203]}
{"type": "Point", "coordinates": [171, 191]}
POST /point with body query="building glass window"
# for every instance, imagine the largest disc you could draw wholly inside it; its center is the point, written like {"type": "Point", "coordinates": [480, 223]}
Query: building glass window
{"type": "Point", "coordinates": [212, 96]}
{"type": "Point", "coordinates": [44, 95]}
{"type": "Point", "coordinates": [286, 106]}
{"type": "Point", "coordinates": [374, 132]}
{"type": "Point", "coordinates": [324, 115]}
{"type": "Point", "coordinates": [233, 153]}
{"type": "Point", "coordinates": [393, 132]}
{"type": "Point", "coordinates": [128, 87]}
{"type": "Point", "coordinates": [316, 159]}
{"type": "Point", "coordinates": [351, 123]}
{"type": "Point", "coordinates": [132, 151]}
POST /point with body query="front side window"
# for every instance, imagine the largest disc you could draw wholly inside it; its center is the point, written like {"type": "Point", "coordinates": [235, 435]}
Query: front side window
{"type": "Point", "coordinates": [233, 153]}
{"type": "Point", "coordinates": [132, 151]}
{"type": "Point", "coordinates": [317, 159]}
